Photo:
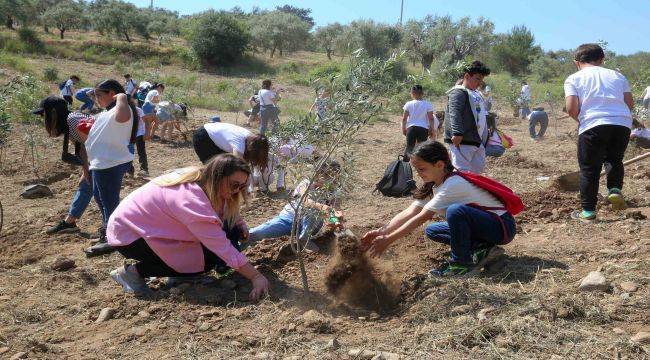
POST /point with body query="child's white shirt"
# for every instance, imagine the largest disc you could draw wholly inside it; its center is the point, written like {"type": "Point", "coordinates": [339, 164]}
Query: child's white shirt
{"type": "Point", "coordinates": [457, 190]}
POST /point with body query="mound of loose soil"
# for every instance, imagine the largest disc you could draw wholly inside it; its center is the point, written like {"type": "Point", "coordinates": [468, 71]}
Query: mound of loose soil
{"type": "Point", "coordinates": [547, 204]}
{"type": "Point", "coordinates": [353, 279]}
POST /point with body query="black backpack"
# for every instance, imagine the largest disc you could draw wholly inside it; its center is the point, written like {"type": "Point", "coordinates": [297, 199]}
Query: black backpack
{"type": "Point", "coordinates": [398, 179]}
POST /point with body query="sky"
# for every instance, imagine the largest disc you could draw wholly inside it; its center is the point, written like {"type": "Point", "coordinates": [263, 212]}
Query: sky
{"type": "Point", "coordinates": [556, 24]}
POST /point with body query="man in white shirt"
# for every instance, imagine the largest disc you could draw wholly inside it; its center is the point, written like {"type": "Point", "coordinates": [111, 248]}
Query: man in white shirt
{"type": "Point", "coordinates": [601, 102]}
{"type": "Point", "coordinates": [524, 100]}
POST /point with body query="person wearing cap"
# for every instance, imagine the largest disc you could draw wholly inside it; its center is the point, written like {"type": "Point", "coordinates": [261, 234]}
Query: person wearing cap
{"type": "Point", "coordinates": [58, 120]}
{"type": "Point", "coordinates": [110, 151]}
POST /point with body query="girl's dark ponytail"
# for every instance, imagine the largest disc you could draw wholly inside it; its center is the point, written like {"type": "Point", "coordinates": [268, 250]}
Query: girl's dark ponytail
{"type": "Point", "coordinates": [431, 152]}
{"type": "Point", "coordinates": [114, 85]}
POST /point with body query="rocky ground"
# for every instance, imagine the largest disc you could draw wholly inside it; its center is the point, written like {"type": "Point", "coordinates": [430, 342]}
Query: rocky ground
{"type": "Point", "coordinates": [563, 290]}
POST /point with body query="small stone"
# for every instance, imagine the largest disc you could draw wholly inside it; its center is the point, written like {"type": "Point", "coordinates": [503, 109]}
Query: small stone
{"type": "Point", "coordinates": [105, 315]}
{"type": "Point", "coordinates": [263, 356]}
{"type": "Point", "coordinates": [140, 331]}
{"type": "Point", "coordinates": [629, 286]}
{"type": "Point", "coordinates": [36, 191]}
{"type": "Point", "coordinates": [228, 284]}
{"type": "Point", "coordinates": [333, 344]}
{"type": "Point", "coordinates": [62, 264]}
{"type": "Point", "coordinates": [205, 326]}
{"type": "Point", "coordinates": [144, 314]}
{"type": "Point", "coordinates": [482, 315]}
{"type": "Point", "coordinates": [361, 354]}
{"type": "Point", "coordinates": [4, 349]}
{"type": "Point", "coordinates": [460, 309]}
{"type": "Point", "coordinates": [641, 338]}
{"type": "Point", "coordinates": [594, 281]}
{"type": "Point", "coordinates": [625, 296]}
{"type": "Point", "coordinates": [618, 331]}
{"type": "Point", "coordinates": [19, 355]}
{"type": "Point", "coordinates": [362, 318]}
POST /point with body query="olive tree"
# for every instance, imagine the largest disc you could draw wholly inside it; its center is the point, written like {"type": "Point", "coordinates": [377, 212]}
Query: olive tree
{"type": "Point", "coordinates": [326, 37]}
{"type": "Point", "coordinates": [64, 16]}
{"type": "Point", "coordinates": [279, 31]}
{"type": "Point", "coordinates": [218, 38]}
{"type": "Point", "coordinates": [516, 50]}
{"type": "Point", "coordinates": [118, 17]}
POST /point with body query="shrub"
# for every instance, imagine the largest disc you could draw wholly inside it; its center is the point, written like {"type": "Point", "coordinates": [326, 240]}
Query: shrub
{"type": "Point", "coordinates": [50, 73]}
{"type": "Point", "coordinates": [325, 71]}
{"type": "Point", "coordinates": [14, 62]}
{"type": "Point", "coordinates": [218, 38]}
{"type": "Point", "coordinates": [22, 94]}
{"type": "Point", "coordinates": [31, 39]}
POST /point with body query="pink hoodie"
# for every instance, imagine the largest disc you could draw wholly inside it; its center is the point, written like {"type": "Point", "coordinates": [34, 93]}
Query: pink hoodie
{"type": "Point", "coordinates": [174, 221]}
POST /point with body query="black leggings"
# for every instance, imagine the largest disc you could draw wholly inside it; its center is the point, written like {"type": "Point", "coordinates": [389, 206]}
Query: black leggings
{"type": "Point", "coordinates": [598, 145]}
{"type": "Point", "coordinates": [142, 153]}
{"type": "Point", "coordinates": [414, 136]}
{"type": "Point", "coordinates": [204, 147]}
{"type": "Point", "coordinates": [68, 99]}
{"type": "Point", "coordinates": [151, 265]}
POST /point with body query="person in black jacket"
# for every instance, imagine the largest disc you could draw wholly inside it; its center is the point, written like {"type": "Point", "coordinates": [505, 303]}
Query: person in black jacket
{"type": "Point", "coordinates": [466, 126]}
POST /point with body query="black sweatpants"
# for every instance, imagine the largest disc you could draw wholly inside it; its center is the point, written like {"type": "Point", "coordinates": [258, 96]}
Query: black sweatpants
{"type": "Point", "coordinates": [142, 153]}
{"type": "Point", "coordinates": [204, 147]}
{"type": "Point", "coordinates": [151, 265]}
{"type": "Point", "coordinates": [68, 99]}
{"type": "Point", "coordinates": [414, 136]}
{"type": "Point", "coordinates": [604, 143]}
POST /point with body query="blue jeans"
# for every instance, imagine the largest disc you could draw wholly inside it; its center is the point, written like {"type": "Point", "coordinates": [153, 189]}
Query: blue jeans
{"type": "Point", "coordinates": [269, 114]}
{"type": "Point", "coordinates": [468, 229]}
{"type": "Point", "coordinates": [88, 102]}
{"type": "Point", "coordinates": [106, 188]}
{"type": "Point", "coordinates": [81, 199]}
{"type": "Point", "coordinates": [281, 226]}
{"type": "Point", "coordinates": [494, 150]}
{"type": "Point", "coordinates": [542, 120]}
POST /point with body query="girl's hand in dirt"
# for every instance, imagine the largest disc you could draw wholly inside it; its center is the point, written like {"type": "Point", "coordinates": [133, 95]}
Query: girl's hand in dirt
{"type": "Point", "coordinates": [379, 245]}
{"type": "Point", "coordinates": [260, 287]}
{"type": "Point", "coordinates": [368, 238]}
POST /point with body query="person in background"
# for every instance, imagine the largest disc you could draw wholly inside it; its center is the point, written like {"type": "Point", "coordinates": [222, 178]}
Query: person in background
{"type": "Point", "coordinates": [110, 151]}
{"type": "Point", "coordinates": [130, 86]}
{"type": "Point", "coordinates": [486, 93]}
{"type": "Point", "coordinates": [646, 98]}
{"type": "Point", "coordinates": [418, 121]}
{"type": "Point", "coordinates": [640, 135]}
{"type": "Point", "coordinates": [320, 104]}
{"type": "Point", "coordinates": [600, 100]}
{"type": "Point", "coordinates": [494, 146]}
{"type": "Point", "coordinates": [254, 113]}
{"type": "Point", "coordinates": [268, 107]}
{"type": "Point", "coordinates": [525, 98]}
{"type": "Point", "coordinates": [59, 121]}
{"type": "Point", "coordinates": [83, 95]}
{"type": "Point", "coordinates": [149, 106]}
{"type": "Point", "coordinates": [140, 142]}
{"type": "Point", "coordinates": [67, 90]}
{"type": "Point", "coordinates": [183, 224]}
{"type": "Point", "coordinates": [466, 121]}
{"type": "Point", "coordinates": [537, 116]}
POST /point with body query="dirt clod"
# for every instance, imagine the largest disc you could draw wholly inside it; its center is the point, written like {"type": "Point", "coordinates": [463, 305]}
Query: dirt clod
{"type": "Point", "coordinates": [105, 315]}
{"type": "Point", "coordinates": [62, 264]}
{"type": "Point", "coordinates": [354, 280]}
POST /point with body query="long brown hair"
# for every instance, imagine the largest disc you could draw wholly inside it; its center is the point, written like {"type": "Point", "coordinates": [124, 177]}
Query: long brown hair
{"type": "Point", "coordinates": [431, 152]}
{"type": "Point", "coordinates": [209, 177]}
{"type": "Point", "coordinates": [256, 150]}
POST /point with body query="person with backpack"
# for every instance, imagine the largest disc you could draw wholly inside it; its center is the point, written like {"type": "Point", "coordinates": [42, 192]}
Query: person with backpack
{"type": "Point", "coordinates": [130, 86]}
{"type": "Point", "coordinates": [83, 95]}
{"type": "Point", "coordinates": [418, 121]}
{"type": "Point", "coordinates": [183, 224]}
{"type": "Point", "coordinates": [67, 90]}
{"type": "Point", "coordinates": [537, 116]}
{"type": "Point", "coordinates": [466, 120]}
{"type": "Point", "coordinates": [110, 148]}
{"type": "Point", "coordinates": [59, 121]}
{"type": "Point", "coordinates": [600, 100]}
{"type": "Point", "coordinates": [479, 214]}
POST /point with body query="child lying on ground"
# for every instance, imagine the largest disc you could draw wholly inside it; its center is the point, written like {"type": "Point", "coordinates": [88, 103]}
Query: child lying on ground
{"type": "Point", "coordinates": [477, 221]}
{"type": "Point", "coordinates": [320, 201]}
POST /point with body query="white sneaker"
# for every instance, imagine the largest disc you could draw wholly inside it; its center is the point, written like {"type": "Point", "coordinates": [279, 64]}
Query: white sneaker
{"type": "Point", "coordinates": [131, 283]}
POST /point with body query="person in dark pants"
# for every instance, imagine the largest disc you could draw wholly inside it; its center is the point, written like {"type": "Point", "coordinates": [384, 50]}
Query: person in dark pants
{"type": "Point", "coordinates": [67, 90]}
{"type": "Point", "coordinates": [418, 122]}
{"type": "Point", "coordinates": [601, 101]}
{"type": "Point", "coordinates": [222, 138]}
{"type": "Point", "coordinates": [537, 116]}
{"type": "Point", "coordinates": [183, 224]}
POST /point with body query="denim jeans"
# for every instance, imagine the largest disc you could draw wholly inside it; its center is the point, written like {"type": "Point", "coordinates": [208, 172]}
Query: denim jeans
{"type": "Point", "coordinates": [281, 226]}
{"type": "Point", "coordinates": [88, 102]}
{"type": "Point", "coordinates": [468, 228]}
{"type": "Point", "coordinates": [494, 150]}
{"type": "Point", "coordinates": [269, 114]}
{"type": "Point", "coordinates": [540, 118]}
{"type": "Point", "coordinates": [81, 199]}
{"type": "Point", "coordinates": [106, 188]}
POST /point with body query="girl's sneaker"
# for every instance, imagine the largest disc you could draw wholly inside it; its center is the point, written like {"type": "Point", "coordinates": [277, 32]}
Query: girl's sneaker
{"type": "Point", "coordinates": [616, 199]}
{"type": "Point", "coordinates": [584, 216]}
{"type": "Point", "coordinates": [451, 270]}
{"type": "Point", "coordinates": [131, 283]}
{"type": "Point", "coordinates": [63, 228]}
{"type": "Point", "coordinates": [484, 256]}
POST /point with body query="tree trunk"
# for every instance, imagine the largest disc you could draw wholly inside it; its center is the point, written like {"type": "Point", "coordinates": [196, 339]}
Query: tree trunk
{"type": "Point", "coordinates": [329, 54]}
{"type": "Point", "coordinates": [281, 54]}
{"type": "Point", "coordinates": [9, 22]}
{"type": "Point", "coordinates": [272, 52]}
{"type": "Point", "coordinates": [426, 61]}
{"type": "Point", "coordinates": [126, 35]}
{"type": "Point", "coordinates": [61, 31]}
{"type": "Point", "coordinates": [46, 28]}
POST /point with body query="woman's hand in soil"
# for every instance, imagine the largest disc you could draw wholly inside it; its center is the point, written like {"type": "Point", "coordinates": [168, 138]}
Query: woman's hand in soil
{"type": "Point", "coordinates": [379, 245]}
{"type": "Point", "coordinates": [368, 238]}
{"type": "Point", "coordinates": [260, 287]}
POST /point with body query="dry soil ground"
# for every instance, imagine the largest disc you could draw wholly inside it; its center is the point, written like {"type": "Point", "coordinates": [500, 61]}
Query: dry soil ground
{"type": "Point", "coordinates": [527, 306]}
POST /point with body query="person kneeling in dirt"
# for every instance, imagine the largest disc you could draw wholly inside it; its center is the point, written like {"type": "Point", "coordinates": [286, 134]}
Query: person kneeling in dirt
{"type": "Point", "coordinates": [477, 221]}
{"type": "Point", "coordinates": [319, 201]}
{"type": "Point", "coordinates": [537, 116]}
{"type": "Point", "coordinates": [640, 135]}
{"type": "Point", "coordinates": [183, 224]}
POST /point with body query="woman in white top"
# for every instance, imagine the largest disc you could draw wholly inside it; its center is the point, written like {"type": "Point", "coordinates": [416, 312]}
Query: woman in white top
{"type": "Point", "coordinates": [268, 107]}
{"type": "Point", "coordinates": [110, 151]}
{"type": "Point", "coordinates": [418, 122]}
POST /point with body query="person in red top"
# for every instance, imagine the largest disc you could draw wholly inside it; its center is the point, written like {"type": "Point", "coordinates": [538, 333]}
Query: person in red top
{"type": "Point", "coordinates": [477, 222]}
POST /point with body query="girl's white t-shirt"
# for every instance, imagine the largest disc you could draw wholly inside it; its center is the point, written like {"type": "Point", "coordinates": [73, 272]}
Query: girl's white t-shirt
{"type": "Point", "coordinates": [600, 92]}
{"type": "Point", "coordinates": [456, 190]}
{"type": "Point", "coordinates": [418, 110]}
{"type": "Point", "coordinates": [647, 93]}
{"type": "Point", "coordinates": [266, 97]}
{"type": "Point", "coordinates": [108, 141]}
{"type": "Point", "coordinates": [228, 137]}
